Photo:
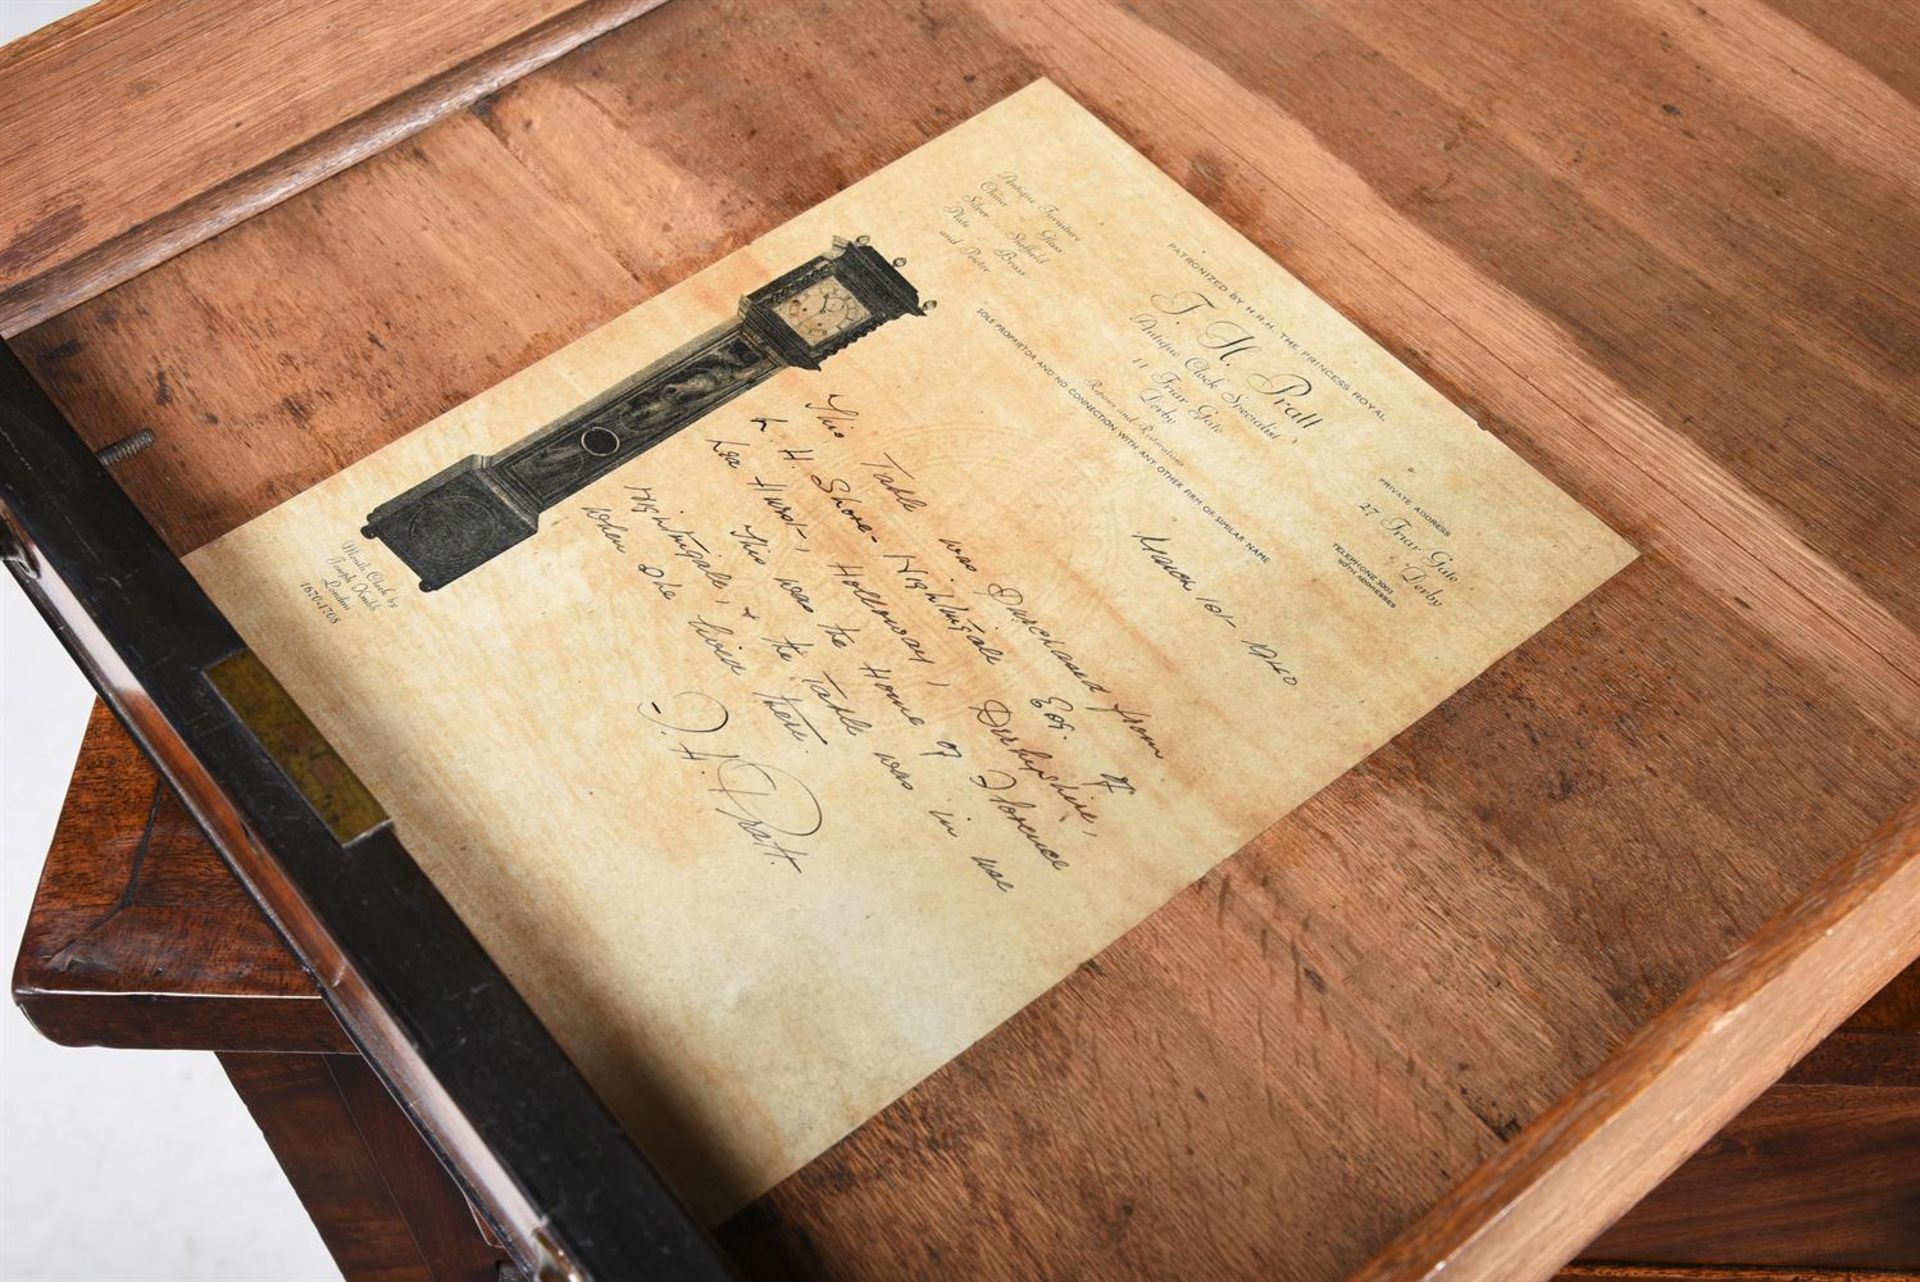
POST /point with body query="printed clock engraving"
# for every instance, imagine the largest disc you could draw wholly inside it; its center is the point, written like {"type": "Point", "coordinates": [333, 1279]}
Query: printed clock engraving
{"type": "Point", "coordinates": [473, 510]}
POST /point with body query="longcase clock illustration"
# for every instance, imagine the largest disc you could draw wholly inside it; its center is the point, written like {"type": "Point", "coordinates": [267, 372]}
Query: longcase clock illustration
{"type": "Point", "coordinates": [471, 511]}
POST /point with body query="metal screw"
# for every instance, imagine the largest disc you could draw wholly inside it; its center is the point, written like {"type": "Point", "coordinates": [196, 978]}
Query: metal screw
{"type": "Point", "coordinates": [124, 448]}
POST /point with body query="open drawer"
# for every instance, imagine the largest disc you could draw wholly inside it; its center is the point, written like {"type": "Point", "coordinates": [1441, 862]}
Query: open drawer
{"type": "Point", "coordinates": [1455, 1014]}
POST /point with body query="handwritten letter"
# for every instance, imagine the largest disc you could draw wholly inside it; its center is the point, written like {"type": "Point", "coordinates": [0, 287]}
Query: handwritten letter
{"type": "Point", "coordinates": [786, 760]}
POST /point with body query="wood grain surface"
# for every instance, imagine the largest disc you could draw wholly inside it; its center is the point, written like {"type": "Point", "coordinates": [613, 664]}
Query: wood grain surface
{"type": "Point", "coordinates": [1662, 250]}
{"type": "Point", "coordinates": [374, 1190]}
{"type": "Point", "coordinates": [1654, 1101]}
{"type": "Point", "coordinates": [140, 936]}
{"type": "Point", "coordinates": [1807, 1175]}
{"type": "Point", "coordinates": [1817, 1172]}
{"type": "Point", "coordinates": [136, 128]}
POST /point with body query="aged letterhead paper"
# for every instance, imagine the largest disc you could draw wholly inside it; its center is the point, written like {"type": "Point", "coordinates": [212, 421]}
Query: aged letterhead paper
{"type": "Point", "coordinates": [783, 761]}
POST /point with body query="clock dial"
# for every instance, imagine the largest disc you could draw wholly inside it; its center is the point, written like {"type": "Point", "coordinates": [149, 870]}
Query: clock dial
{"type": "Point", "coordinates": [822, 310]}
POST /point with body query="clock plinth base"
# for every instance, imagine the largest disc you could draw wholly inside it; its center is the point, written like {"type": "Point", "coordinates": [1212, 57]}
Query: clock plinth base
{"type": "Point", "coordinates": [452, 522]}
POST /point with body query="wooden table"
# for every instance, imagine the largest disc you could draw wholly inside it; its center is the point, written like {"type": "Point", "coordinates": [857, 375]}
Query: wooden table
{"type": "Point", "coordinates": [1465, 1007]}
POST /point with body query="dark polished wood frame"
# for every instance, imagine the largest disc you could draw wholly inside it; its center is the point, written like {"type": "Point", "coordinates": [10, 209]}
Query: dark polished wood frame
{"type": "Point", "coordinates": [454, 1042]}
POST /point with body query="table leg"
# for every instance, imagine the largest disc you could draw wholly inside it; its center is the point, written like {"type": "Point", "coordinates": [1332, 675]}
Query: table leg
{"type": "Point", "coordinates": [382, 1203]}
